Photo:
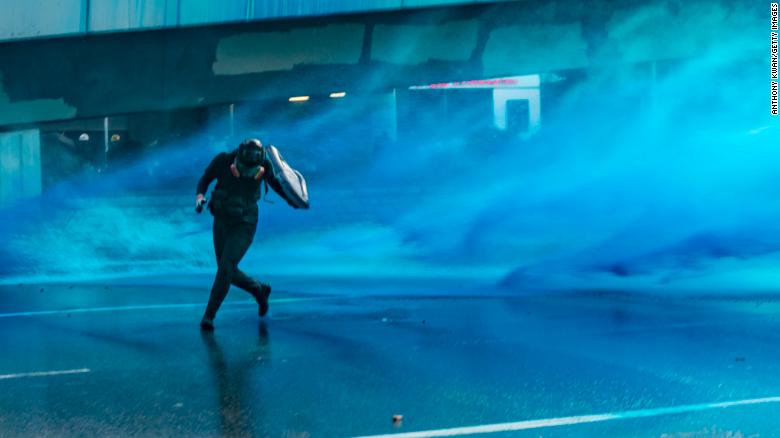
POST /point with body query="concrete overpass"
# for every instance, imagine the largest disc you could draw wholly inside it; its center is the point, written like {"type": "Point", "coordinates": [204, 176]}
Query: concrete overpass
{"type": "Point", "coordinates": [82, 60]}
{"type": "Point", "coordinates": [199, 56]}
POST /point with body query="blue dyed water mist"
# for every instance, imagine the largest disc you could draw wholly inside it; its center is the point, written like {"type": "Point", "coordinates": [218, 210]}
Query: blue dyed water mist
{"type": "Point", "coordinates": [637, 180]}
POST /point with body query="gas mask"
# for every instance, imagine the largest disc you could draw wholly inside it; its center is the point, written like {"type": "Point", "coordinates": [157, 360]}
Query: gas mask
{"type": "Point", "coordinates": [249, 159]}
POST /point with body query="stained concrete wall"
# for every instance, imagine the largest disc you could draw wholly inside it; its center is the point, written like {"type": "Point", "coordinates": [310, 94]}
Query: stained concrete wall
{"type": "Point", "coordinates": [98, 75]}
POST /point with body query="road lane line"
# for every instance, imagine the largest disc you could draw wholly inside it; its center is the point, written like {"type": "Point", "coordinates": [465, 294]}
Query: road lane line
{"type": "Point", "coordinates": [43, 374]}
{"type": "Point", "coordinates": [148, 307]}
{"type": "Point", "coordinates": [580, 419]}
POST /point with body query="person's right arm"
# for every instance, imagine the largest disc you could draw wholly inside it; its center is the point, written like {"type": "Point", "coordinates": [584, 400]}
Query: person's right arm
{"type": "Point", "coordinates": [211, 173]}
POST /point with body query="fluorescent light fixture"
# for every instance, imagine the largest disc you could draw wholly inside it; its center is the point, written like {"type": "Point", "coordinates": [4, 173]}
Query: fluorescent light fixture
{"type": "Point", "coordinates": [299, 98]}
{"type": "Point", "coordinates": [338, 94]}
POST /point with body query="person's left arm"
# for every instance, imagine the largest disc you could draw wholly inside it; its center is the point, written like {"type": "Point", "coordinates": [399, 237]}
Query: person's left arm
{"type": "Point", "coordinates": [268, 177]}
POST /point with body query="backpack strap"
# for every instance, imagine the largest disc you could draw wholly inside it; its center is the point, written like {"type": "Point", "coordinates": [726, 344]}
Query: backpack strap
{"type": "Point", "coordinates": [264, 192]}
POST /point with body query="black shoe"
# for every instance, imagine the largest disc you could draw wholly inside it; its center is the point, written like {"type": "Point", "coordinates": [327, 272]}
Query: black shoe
{"type": "Point", "coordinates": [207, 324]}
{"type": "Point", "coordinates": [262, 300]}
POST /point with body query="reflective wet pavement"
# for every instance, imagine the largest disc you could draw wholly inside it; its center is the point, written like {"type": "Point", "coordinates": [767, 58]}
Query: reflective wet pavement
{"type": "Point", "coordinates": [337, 366]}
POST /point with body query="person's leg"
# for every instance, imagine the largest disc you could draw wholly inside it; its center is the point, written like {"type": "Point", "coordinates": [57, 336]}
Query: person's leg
{"type": "Point", "coordinates": [243, 281]}
{"type": "Point", "coordinates": [260, 291]}
{"type": "Point", "coordinates": [218, 235]}
{"type": "Point", "coordinates": [238, 238]}
{"type": "Point", "coordinates": [240, 278]}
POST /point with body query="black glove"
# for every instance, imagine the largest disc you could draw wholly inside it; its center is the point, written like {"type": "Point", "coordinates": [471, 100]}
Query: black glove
{"type": "Point", "coordinates": [200, 204]}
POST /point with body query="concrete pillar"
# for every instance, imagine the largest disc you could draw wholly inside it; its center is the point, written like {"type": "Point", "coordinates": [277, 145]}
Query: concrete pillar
{"type": "Point", "coordinates": [20, 165]}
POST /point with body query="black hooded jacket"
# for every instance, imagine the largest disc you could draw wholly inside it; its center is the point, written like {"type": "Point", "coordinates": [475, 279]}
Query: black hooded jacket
{"type": "Point", "coordinates": [233, 197]}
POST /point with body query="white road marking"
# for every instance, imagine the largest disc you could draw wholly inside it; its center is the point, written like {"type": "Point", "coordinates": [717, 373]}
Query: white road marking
{"type": "Point", "coordinates": [567, 421]}
{"type": "Point", "coordinates": [148, 307]}
{"type": "Point", "coordinates": [43, 374]}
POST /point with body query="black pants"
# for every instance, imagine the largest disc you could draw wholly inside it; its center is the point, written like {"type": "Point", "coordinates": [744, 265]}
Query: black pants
{"type": "Point", "coordinates": [231, 241]}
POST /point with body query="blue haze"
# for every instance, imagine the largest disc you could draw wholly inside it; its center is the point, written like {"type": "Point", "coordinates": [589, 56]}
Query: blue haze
{"type": "Point", "coordinates": [633, 183]}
